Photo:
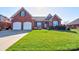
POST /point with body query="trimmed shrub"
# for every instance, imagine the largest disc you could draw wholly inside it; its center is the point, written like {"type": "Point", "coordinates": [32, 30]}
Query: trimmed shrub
{"type": "Point", "coordinates": [62, 27]}
{"type": "Point", "coordinates": [50, 28]}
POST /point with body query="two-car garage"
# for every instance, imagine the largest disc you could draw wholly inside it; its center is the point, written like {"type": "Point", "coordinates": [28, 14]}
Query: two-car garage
{"type": "Point", "coordinates": [22, 20]}
{"type": "Point", "coordinates": [22, 26]}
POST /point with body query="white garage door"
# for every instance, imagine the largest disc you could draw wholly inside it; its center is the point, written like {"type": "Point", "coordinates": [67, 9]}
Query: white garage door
{"type": "Point", "coordinates": [27, 26]}
{"type": "Point", "coordinates": [17, 26]}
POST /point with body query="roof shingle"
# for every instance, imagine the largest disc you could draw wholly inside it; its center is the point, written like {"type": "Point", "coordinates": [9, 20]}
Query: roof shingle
{"type": "Point", "coordinates": [74, 22]}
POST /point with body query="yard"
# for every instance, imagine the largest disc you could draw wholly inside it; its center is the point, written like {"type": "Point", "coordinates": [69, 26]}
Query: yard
{"type": "Point", "coordinates": [47, 40]}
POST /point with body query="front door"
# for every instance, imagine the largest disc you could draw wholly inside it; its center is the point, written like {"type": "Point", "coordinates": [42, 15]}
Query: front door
{"type": "Point", "coordinates": [39, 25]}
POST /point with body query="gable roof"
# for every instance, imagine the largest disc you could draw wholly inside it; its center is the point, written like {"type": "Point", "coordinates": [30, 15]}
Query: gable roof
{"type": "Point", "coordinates": [56, 17]}
{"type": "Point", "coordinates": [4, 19]}
{"type": "Point", "coordinates": [74, 22]}
{"type": "Point", "coordinates": [49, 17]}
{"type": "Point", "coordinates": [22, 8]}
{"type": "Point", "coordinates": [39, 18]}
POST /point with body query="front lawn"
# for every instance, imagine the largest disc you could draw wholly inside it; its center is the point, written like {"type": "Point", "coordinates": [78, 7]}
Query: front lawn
{"type": "Point", "coordinates": [47, 40]}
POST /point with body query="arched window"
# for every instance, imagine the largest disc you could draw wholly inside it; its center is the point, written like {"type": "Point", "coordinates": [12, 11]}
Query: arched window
{"type": "Point", "coordinates": [22, 13]}
{"type": "Point", "coordinates": [55, 23]}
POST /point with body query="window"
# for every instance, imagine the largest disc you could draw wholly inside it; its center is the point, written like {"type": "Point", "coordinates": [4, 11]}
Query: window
{"type": "Point", "coordinates": [22, 13]}
{"type": "Point", "coordinates": [39, 24]}
{"type": "Point", "coordinates": [55, 23]}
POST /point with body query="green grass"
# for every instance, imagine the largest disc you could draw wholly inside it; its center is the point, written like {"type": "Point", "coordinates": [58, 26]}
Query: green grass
{"type": "Point", "coordinates": [47, 40]}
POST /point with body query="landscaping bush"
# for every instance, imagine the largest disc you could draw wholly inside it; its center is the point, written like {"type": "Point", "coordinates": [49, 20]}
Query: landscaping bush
{"type": "Point", "coordinates": [62, 27]}
{"type": "Point", "coordinates": [50, 28]}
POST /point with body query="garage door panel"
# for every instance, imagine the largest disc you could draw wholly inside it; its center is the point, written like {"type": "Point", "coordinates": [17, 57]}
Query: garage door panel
{"type": "Point", "coordinates": [27, 26]}
{"type": "Point", "coordinates": [17, 26]}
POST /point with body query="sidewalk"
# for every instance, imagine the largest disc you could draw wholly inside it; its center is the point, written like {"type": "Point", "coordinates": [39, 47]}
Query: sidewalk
{"type": "Point", "coordinates": [7, 41]}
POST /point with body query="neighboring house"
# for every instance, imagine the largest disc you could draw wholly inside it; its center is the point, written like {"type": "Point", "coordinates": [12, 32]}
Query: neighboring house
{"type": "Point", "coordinates": [74, 24]}
{"type": "Point", "coordinates": [22, 20]}
{"type": "Point", "coordinates": [5, 23]}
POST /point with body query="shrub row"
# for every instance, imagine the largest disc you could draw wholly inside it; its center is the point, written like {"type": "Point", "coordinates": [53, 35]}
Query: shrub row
{"type": "Point", "coordinates": [62, 27]}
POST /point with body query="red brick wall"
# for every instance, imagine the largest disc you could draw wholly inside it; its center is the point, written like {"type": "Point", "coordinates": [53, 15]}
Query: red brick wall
{"type": "Point", "coordinates": [22, 19]}
{"type": "Point", "coordinates": [59, 22]}
{"type": "Point", "coordinates": [56, 18]}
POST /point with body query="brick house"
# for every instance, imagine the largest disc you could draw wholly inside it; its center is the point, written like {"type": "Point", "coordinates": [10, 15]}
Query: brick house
{"type": "Point", "coordinates": [22, 20]}
{"type": "Point", "coordinates": [5, 23]}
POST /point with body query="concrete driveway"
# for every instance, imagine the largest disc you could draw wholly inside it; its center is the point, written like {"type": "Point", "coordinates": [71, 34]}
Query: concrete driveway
{"type": "Point", "coordinates": [7, 38]}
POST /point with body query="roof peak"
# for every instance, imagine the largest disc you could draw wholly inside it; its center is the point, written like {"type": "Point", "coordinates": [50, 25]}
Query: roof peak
{"type": "Point", "coordinates": [21, 9]}
{"type": "Point", "coordinates": [49, 16]}
{"type": "Point", "coordinates": [55, 15]}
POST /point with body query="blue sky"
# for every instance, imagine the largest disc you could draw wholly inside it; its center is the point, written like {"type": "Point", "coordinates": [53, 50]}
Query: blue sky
{"type": "Point", "coordinates": [67, 14]}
